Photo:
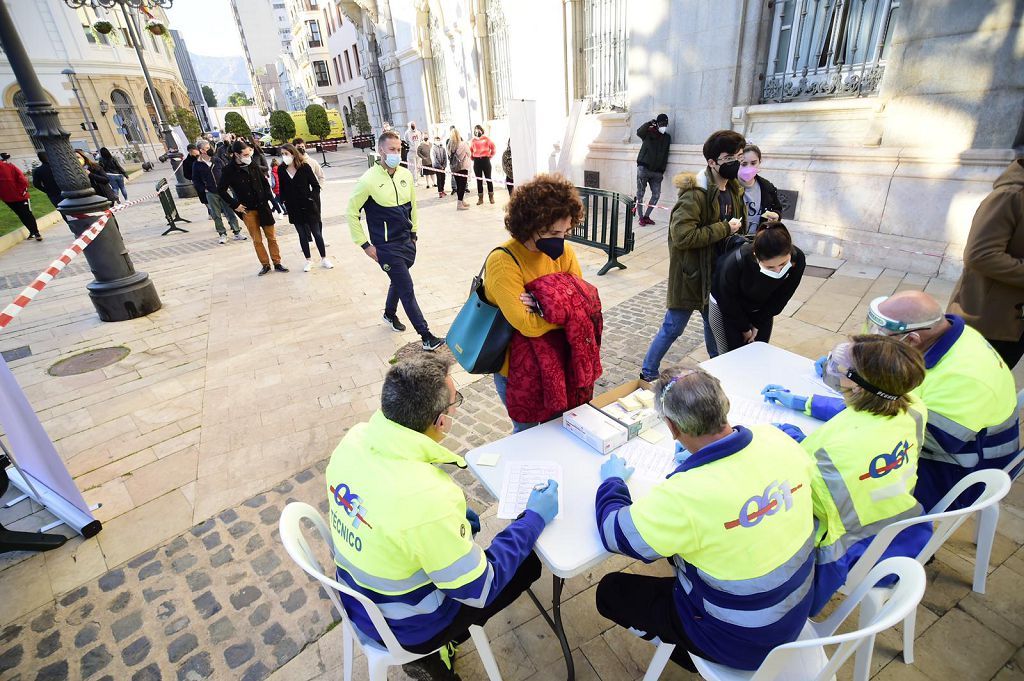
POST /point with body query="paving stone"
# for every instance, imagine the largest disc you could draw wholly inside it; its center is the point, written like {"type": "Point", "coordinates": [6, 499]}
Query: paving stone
{"type": "Point", "coordinates": [136, 651]}
{"type": "Point", "coordinates": [57, 671]}
{"type": "Point", "coordinates": [270, 515]}
{"type": "Point", "coordinates": [44, 621]}
{"type": "Point", "coordinates": [285, 650]}
{"type": "Point", "coordinates": [195, 668]}
{"type": "Point", "coordinates": [81, 614]}
{"type": "Point", "coordinates": [94, 661]}
{"type": "Point", "coordinates": [245, 597]}
{"type": "Point", "coordinates": [120, 602]}
{"type": "Point", "coordinates": [87, 635]}
{"type": "Point", "coordinates": [256, 672]}
{"type": "Point", "coordinates": [150, 594]}
{"type": "Point", "coordinates": [240, 528]}
{"type": "Point", "coordinates": [304, 476]}
{"type": "Point", "coordinates": [74, 596]}
{"type": "Point", "coordinates": [254, 544]}
{"type": "Point", "coordinates": [126, 626]}
{"type": "Point", "coordinates": [280, 581]}
{"type": "Point", "coordinates": [177, 544]}
{"type": "Point", "coordinates": [934, 655]}
{"type": "Point", "coordinates": [9, 633]}
{"type": "Point", "coordinates": [200, 579]}
{"type": "Point", "coordinates": [203, 527]}
{"type": "Point", "coordinates": [207, 605]}
{"type": "Point", "coordinates": [266, 563]}
{"type": "Point", "coordinates": [296, 599]}
{"type": "Point", "coordinates": [181, 646]}
{"type": "Point", "coordinates": [221, 557]}
{"type": "Point", "coordinates": [256, 501]}
{"type": "Point", "coordinates": [237, 577]}
{"type": "Point", "coordinates": [260, 614]}
{"type": "Point", "coordinates": [48, 645]}
{"type": "Point", "coordinates": [151, 672]}
{"type": "Point", "coordinates": [229, 516]}
{"type": "Point", "coordinates": [221, 630]}
{"type": "Point", "coordinates": [239, 654]}
{"type": "Point", "coordinates": [284, 487]}
{"type": "Point", "coordinates": [176, 626]}
{"type": "Point", "coordinates": [142, 559]}
{"type": "Point", "coordinates": [151, 570]}
{"type": "Point", "coordinates": [11, 658]}
{"type": "Point", "coordinates": [273, 634]}
{"type": "Point", "coordinates": [211, 540]}
{"type": "Point", "coordinates": [182, 563]}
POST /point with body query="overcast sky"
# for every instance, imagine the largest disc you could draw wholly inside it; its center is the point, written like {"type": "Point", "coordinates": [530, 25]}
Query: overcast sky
{"type": "Point", "coordinates": [207, 26]}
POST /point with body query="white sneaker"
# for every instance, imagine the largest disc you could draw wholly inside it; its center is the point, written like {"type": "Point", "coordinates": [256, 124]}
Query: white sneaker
{"type": "Point", "coordinates": [222, 240]}
{"type": "Point", "coordinates": [326, 264]}
{"type": "Point", "coordinates": [241, 237]}
{"type": "Point", "coordinates": [308, 266]}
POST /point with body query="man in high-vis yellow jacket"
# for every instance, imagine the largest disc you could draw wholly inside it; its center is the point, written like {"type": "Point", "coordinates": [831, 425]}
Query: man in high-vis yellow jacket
{"type": "Point", "coordinates": [402, 533]}
{"type": "Point", "coordinates": [736, 520]}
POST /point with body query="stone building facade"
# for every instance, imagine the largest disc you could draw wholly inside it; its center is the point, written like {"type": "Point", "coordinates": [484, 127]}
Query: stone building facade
{"type": "Point", "coordinates": [887, 119]}
{"type": "Point", "coordinates": [106, 73]}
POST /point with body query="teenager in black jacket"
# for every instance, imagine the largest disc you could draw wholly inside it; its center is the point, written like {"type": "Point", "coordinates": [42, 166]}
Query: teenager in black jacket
{"type": "Point", "coordinates": [752, 284]}
{"type": "Point", "coordinates": [650, 164]}
{"type": "Point", "coordinates": [300, 192]}
{"type": "Point", "coordinates": [760, 196]}
{"type": "Point", "coordinates": [249, 196]}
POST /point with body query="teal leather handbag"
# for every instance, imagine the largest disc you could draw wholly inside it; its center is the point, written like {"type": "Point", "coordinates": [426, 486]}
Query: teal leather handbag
{"type": "Point", "coordinates": [480, 334]}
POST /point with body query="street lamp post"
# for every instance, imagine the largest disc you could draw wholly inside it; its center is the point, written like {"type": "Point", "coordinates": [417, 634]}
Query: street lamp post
{"type": "Point", "coordinates": [88, 124]}
{"type": "Point", "coordinates": [118, 292]}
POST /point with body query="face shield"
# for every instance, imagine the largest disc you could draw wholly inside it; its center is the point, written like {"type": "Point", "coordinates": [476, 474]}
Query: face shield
{"type": "Point", "coordinates": [839, 365]}
{"type": "Point", "coordinates": [878, 324]}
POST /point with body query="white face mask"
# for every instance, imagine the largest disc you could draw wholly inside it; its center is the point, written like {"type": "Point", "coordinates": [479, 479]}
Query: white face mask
{"type": "Point", "coordinates": [287, 159]}
{"type": "Point", "coordinates": [245, 160]}
{"type": "Point", "coordinates": [775, 275]}
{"type": "Point", "coordinates": [662, 129]}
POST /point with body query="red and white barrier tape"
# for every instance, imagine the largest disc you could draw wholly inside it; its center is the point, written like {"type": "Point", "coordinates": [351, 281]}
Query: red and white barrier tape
{"type": "Point", "coordinates": [51, 272]}
{"type": "Point", "coordinates": [117, 208]}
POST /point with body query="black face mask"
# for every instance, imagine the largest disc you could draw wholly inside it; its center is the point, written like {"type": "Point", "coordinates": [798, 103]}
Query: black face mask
{"type": "Point", "coordinates": [553, 247]}
{"type": "Point", "coordinates": [729, 170]}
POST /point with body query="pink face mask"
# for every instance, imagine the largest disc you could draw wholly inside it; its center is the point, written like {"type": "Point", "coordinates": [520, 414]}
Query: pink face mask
{"type": "Point", "coordinates": [747, 173]}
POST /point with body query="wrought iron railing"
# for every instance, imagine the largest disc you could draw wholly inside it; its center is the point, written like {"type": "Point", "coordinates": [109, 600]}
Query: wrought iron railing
{"type": "Point", "coordinates": [827, 48]}
{"type": "Point", "coordinates": [603, 43]}
{"type": "Point", "coordinates": [607, 224]}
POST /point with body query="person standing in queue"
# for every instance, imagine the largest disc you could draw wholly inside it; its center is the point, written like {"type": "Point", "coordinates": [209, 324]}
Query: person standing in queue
{"type": "Point", "coordinates": [482, 150]}
{"type": "Point", "coordinates": [386, 194]}
{"type": "Point", "coordinates": [439, 162]}
{"type": "Point", "coordinates": [461, 163]}
{"type": "Point", "coordinates": [743, 576]}
{"type": "Point", "coordinates": [752, 285]}
{"type": "Point", "coordinates": [14, 192]}
{"type": "Point", "coordinates": [117, 174]}
{"type": "Point", "coordinates": [300, 193]}
{"type": "Point", "coordinates": [206, 173]}
{"type": "Point", "coordinates": [759, 195]}
{"type": "Point", "coordinates": [244, 187]}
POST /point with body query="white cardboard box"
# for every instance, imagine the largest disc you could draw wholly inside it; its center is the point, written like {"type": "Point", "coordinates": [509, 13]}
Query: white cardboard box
{"type": "Point", "coordinates": [597, 429]}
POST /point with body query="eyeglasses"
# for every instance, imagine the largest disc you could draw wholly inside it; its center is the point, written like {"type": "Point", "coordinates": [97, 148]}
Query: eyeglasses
{"type": "Point", "coordinates": [458, 401]}
{"type": "Point", "coordinates": [727, 159]}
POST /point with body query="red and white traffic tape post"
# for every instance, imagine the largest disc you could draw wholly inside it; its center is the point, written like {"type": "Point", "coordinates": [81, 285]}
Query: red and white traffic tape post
{"type": "Point", "coordinates": [70, 253]}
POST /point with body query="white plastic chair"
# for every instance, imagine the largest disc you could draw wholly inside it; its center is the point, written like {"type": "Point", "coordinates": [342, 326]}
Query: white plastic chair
{"type": "Point", "coordinates": [378, 659]}
{"type": "Point", "coordinates": [1019, 459]}
{"type": "Point", "coordinates": [996, 486]}
{"type": "Point", "coordinates": [805, 658]}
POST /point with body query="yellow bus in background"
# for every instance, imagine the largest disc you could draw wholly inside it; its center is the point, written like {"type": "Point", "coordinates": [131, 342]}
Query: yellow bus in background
{"type": "Point", "coordinates": [299, 117]}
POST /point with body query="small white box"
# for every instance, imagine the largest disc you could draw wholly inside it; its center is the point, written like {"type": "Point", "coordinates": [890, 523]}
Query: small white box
{"type": "Point", "coordinates": [597, 429]}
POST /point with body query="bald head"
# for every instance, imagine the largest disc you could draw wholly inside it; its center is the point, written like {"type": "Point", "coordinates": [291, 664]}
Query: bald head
{"type": "Point", "coordinates": [911, 307]}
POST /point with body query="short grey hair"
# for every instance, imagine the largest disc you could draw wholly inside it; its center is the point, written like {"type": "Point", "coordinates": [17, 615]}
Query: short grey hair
{"type": "Point", "coordinates": [202, 144]}
{"type": "Point", "coordinates": [692, 399]}
{"type": "Point", "coordinates": [415, 392]}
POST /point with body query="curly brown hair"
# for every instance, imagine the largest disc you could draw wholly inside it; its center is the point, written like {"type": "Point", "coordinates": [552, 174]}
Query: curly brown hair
{"type": "Point", "coordinates": [540, 203]}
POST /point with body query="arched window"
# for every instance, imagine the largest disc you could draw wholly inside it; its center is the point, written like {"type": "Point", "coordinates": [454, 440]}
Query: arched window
{"type": "Point", "coordinates": [125, 117]}
{"type": "Point", "coordinates": [21, 103]}
{"type": "Point", "coordinates": [152, 111]}
{"type": "Point", "coordinates": [175, 102]}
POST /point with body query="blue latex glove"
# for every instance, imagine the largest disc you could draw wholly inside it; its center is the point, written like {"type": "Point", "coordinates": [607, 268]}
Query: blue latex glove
{"type": "Point", "coordinates": [819, 366]}
{"type": "Point", "coordinates": [474, 520]}
{"type": "Point", "coordinates": [781, 395]}
{"type": "Point", "coordinates": [791, 430]}
{"type": "Point", "coordinates": [544, 502]}
{"type": "Point", "coordinates": [615, 467]}
{"type": "Point", "coordinates": [681, 454]}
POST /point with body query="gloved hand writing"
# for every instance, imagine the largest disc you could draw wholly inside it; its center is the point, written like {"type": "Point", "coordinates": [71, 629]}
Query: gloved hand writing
{"type": "Point", "coordinates": [681, 453]}
{"type": "Point", "coordinates": [615, 467]}
{"type": "Point", "coordinates": [781, 395]}
{"type": "Point", "coordinates": [474, 520]}
{"type": "Point", "coordinates": [791, 430]}
{"type": "Point", "coordinates": [819, 366]}
{"type": "Point", "coordinates": [544, 502]}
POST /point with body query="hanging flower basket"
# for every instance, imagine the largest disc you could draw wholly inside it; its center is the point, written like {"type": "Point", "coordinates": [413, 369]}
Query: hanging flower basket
{"type": "Point", "coordinates": [103, 27]}
{"type": "Point", "coordinates": [156, 27]}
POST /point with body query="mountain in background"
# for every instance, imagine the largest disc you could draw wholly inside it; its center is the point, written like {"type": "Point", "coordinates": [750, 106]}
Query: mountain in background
{"type": "Point", "coordinates": [224, 74]}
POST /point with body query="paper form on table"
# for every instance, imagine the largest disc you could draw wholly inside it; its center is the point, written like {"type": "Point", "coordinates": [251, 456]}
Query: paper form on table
{"type": "Point", "coordinates": [520, 478]}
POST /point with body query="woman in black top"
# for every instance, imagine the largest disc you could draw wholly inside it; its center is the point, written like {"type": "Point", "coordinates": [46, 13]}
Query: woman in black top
{"type": "Point", "coordinates": [751, 285]}
{"type": "Point", "coordinates": [245, 188]}
{"type": "Point", "coordinates": [114, 170]}
{"type": "Point", "coordinates": [760, 196]}
{"type": "Point", "coordinates": [97, 177]}
{"type": "Point", "coordinates": [300, 192]}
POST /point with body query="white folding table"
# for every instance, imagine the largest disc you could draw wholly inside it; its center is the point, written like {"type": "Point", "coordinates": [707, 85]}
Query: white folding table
{"type": "Point", "coordinates": [571, 545]}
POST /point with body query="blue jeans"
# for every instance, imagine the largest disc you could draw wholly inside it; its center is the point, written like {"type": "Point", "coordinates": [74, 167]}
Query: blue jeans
{"type": "Point", "coordinates": [117, 183]}
{"type": "Point", "coordinates": [501, 385]}
{"type": "Point", "coordinates": [672, 328]}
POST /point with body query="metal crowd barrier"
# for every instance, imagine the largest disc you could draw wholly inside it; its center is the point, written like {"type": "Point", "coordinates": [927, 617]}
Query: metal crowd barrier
{"type": "Point", "coordinates": [603, 211]}
{"type": "Point", "coordinates": [170, 210]}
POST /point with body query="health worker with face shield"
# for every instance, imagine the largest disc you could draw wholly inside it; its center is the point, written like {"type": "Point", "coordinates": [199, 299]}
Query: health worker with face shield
{"type": "Point", "coordinates": [968, 390]}
{"type": "Point", "coordinates": [386, 194]}
{"type": "Point", "coordinates": [866, 456]}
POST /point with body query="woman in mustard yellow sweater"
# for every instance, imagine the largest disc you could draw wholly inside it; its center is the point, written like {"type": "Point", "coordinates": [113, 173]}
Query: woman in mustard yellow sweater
{"type": "Point", "coordinates": [539, 215]}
